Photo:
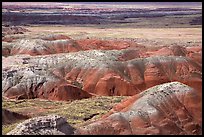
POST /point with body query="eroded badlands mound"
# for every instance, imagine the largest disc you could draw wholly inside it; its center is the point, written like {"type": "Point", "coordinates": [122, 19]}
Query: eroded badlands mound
{"type": "Point", "coordinates": [54, 44]}
{"type": "Point", "coordinates": [65, 66]}
{"type": "Point", "coordinates": [171, 108]}
{"type": "Point", "coordinates": [94, 72]}
{"type": "Point", "coordinates": [57, 67]}
{"type": "Point", "coordinates": [58, 43]}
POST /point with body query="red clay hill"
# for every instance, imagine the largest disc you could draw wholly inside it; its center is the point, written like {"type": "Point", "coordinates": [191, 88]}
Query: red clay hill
{"type": "Point", "coordinates": [171, 108]}
{"type": "Point", "coordinates": [93, 72]}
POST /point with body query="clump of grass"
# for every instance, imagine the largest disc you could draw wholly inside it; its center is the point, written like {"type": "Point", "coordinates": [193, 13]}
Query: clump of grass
{"type": "Point", "coordinates": [80, 111]}
{"type": "Point", "coordinates": [77, 112]}
{"type": "Point", "coordinates": [8, 127]}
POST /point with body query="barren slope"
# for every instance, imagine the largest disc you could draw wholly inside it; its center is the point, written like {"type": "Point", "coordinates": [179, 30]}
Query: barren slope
{"type": "Point", "coordinates": [167, 109]}
{"type": "Point", "coordinates": [93, 72]}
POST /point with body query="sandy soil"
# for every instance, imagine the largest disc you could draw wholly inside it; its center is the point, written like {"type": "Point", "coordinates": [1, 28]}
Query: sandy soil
{"type": "Point", "coordinates": [163, 35]}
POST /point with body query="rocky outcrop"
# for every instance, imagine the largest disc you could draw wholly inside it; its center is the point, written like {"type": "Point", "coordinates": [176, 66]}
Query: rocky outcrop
{"type": "Point", "coordinates": [9, 117]}
{"type": "Point", "coordinates": [167, 109]}
{"type": "Point", "coordinates": [45, 125]}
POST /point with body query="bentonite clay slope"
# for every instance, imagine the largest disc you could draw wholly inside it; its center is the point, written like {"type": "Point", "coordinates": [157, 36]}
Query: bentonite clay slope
{"type": "Point", "coordinates": [58, 43]}
{"type": "Point", "coordinates": [167, 109]}
{"type": "Point", "coordinates": [43, 47]}
{"type": "Point", "coordinates": [45, 125]}
{"type": "Point", "coordinates": [39, 45]}
{"type": "Point", "coordinates": [85, 73]}
{"type": "Point", "coordinates": [194, 52]}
